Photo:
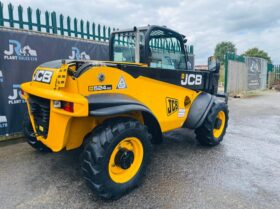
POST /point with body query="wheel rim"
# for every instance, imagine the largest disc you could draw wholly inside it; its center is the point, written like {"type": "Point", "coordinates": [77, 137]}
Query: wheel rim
{"type": "Point", "coordinates": [126, 160]}
{"type": "Point", "coordinates": [220, 120]}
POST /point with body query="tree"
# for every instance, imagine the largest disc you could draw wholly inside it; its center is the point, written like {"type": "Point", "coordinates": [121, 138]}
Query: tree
{"type": "Point", "coordinates": [255, 52]}
{"type": "Point", "coordinates": [222, 48]}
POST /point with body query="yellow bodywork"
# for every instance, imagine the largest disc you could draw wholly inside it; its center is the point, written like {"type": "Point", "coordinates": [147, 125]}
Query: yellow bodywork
{"type": "Point", "coordinates": [68, 129]}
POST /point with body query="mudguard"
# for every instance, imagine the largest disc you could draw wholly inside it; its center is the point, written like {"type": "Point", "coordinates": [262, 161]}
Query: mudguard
{"type": "Point", "coordinates": [199, 110]}
{"type": "Point", "coordinates": [101, 105]}
{"type": "Point", "coordinates": [113, 104]}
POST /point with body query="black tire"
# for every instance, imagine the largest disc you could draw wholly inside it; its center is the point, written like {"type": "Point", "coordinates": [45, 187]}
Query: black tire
{"type": "Point", "coordinates": [30, 136]}
{"type": "Point", "coordinates": [205, 133]}
{"type": "Point", "coordinates": [98, 150]}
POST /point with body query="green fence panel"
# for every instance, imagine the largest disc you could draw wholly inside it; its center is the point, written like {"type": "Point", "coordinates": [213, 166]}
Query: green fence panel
{"type": "Point", "coordinates": [50, 24]}
{"type": "Point", "coordinates": [234, 57]}
{"type": "Point", "coordinates": [53, 25]}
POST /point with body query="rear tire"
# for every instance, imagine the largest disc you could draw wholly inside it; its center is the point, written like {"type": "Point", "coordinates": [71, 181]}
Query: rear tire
{"type": "Point", "coordinates": [115, 157]}
{"type": "Point", "coordinates": [213, 129]}
{"type": "Point", "coordinates": [30, 136]}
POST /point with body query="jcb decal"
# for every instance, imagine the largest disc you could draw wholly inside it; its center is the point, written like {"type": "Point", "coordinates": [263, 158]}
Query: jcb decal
{"type": "Point", "coordinates": [191, 79]}
{"type": "Point", "coordinates": [44, 76]}
{"type": "Point", "coordinates": [172, 105]}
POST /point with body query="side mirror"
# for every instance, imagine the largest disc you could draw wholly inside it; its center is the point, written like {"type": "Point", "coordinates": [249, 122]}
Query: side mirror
{"type": "Point", "coordinates": [213, 64]}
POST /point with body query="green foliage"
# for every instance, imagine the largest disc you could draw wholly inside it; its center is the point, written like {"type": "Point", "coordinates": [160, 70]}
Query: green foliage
{"type": "Point", "coordinates": [255, 52]}
{"type": "Point", "coordinates": [222, 48]}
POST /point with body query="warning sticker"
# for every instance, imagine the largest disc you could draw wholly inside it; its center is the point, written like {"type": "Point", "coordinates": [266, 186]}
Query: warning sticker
{"type": "Point", "coordinates": [181, 113]}
{"type": "Point", "coordinates": [121, 84]}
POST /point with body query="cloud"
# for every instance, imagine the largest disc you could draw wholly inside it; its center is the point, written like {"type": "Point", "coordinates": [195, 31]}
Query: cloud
{"type": "Point", "coordinates": [247, 23]}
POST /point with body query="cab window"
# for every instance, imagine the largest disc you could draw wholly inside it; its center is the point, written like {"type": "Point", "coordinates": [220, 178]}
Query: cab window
{"type": "Point", "coordinates": [124, 47]}
{"type": "Point", "coordinates": [165, 51]}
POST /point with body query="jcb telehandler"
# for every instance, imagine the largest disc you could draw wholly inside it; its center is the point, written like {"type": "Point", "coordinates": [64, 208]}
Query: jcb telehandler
{"type": "Point", "coordinates": [117, 109]}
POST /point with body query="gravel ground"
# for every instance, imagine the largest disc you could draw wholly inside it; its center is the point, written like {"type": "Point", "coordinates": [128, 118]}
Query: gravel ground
{"type": "Point", "coordinates": [242, 172]}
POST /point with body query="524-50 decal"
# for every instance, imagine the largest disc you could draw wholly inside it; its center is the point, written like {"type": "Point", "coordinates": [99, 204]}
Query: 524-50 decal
{"type": "Point", "coordinates": [100, 88]}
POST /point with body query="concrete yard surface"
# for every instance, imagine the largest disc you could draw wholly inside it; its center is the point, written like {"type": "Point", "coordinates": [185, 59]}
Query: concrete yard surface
{"type": "Point", "coordinates": [242, 172]}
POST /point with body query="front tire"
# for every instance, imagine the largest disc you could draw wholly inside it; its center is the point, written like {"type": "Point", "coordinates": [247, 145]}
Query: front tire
{"type": "Point", "coordinates": [115, 157]}
{"type": "Point", "coordinates": [213, 129]}
{"type": "Point", "coordinates": [30, 136]}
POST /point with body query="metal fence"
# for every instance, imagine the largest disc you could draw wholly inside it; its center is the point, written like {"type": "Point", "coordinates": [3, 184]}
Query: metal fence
{"type": "Point", "coordinates": [50, 22]}
{"type": "Point", "coordinates": [53, 23]}
{"type": "Point", "coordinates": [244, 74]}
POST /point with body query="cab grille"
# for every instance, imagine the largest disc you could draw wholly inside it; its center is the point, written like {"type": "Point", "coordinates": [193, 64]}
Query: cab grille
{"type": "Point", "coordinates": [40, 110]}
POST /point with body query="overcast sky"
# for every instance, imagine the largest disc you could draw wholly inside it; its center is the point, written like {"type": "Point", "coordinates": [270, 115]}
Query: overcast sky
{"type": "Point", "coordinates": [247, 23]}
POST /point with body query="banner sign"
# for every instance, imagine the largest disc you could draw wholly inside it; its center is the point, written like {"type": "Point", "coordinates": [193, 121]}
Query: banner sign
{"type": "Point", "coordinates": [254, 73]}
{"type": "Point", "coordinates": [20, 53]}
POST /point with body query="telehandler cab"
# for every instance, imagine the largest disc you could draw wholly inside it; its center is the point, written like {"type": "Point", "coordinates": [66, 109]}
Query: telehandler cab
{"type": "Point", "coordinates": [117, 109]}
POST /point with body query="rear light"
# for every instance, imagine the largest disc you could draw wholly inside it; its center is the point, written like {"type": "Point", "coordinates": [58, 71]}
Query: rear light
{"type": "Point", "coordinates": [68, 106]}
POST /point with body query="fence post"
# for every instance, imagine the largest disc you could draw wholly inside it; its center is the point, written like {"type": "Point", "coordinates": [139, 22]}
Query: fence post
{"type": "Point", "coordinates": [93, 31]}
{"type": "Point", "coordinates": [54, 24]}
{"type": "Point", "coordinates": [61, 26]}
{"type": "Point", "coordinates": [38, 17]}
{"type": "Point", "coordinates": [29, 17]}
{"type": "Point", "coordinates": [20, 18]}
{"type": "Point", "coordinates": [191, 49]}
{"type": "Point", "coordinates": [104, 34]}
{"type": "Point", "coordinates": [99, 32]}
{"type": "Point", "coordinates": [76, 27]}
{"type": "Point", "coordinates": [1, 14]}
{"type": "Point", "coordinates": [87, 27]}
{"type": "Point", "coordinates": [226, 72]}
{"type": "Point", "coordinates": [82, 28]}
{"type": "Point", "coordinates": [109, 33]}
{"type": "Point", "coordinates": [11, 15]}
{"type": "Point", "coordinates": [69, 26]}
{"type": "Point", "coordinates": [47, 18]}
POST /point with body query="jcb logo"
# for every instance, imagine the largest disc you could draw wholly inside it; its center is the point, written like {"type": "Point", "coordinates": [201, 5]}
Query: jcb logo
{"type": "Point", "coordinates": [172, 105]}
{"type": "Point", "coordinates": [191, 79]}
{"type": "Point", "coordinates": [16, 96]}
{"type": "Point", "coordinates": [44, 76]}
